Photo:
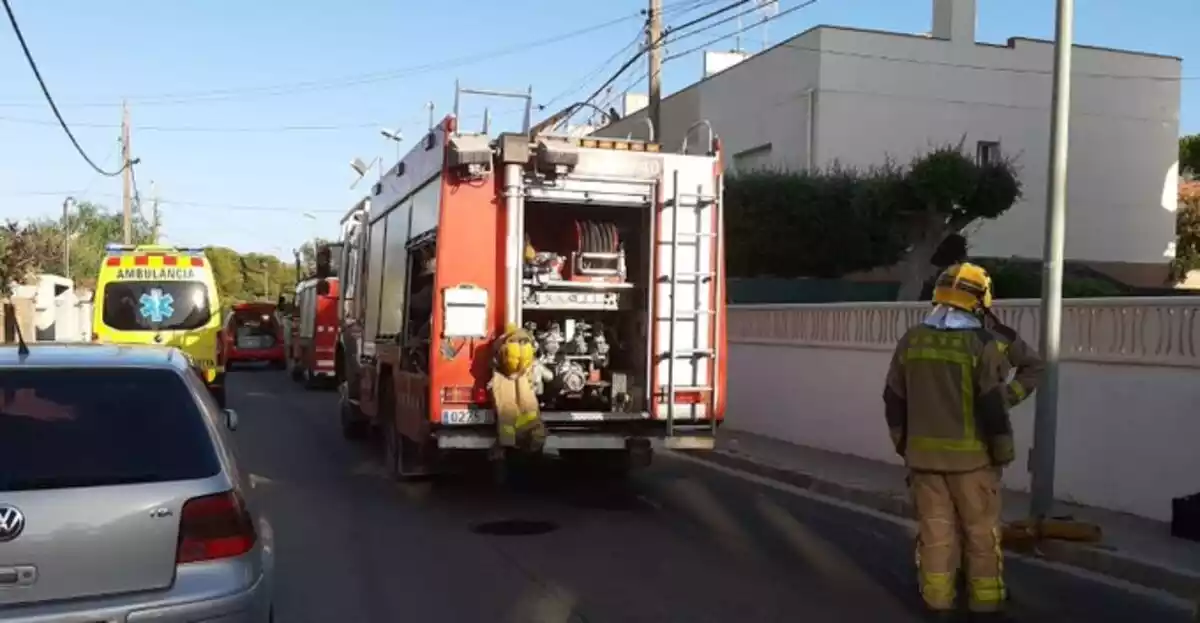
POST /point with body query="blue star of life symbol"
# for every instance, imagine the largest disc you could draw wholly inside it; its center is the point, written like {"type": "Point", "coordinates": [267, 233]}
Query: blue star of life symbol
{"type": "Point", "coordinates": [157, 305]}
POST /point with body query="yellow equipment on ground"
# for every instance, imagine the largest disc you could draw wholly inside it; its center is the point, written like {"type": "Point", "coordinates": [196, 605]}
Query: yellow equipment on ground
{"type": "Point", "coordinates": [1024, 534]}
{"type": "Point", "coordinates": [518, 421]}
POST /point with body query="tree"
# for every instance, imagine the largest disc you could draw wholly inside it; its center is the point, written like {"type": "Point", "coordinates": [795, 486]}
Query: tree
{"type": "Point", "coordinates": [949, 191]}
{"type": "Point", "coordinates": [1189, 155]}
{"type": "Point", "coordinates": [39, 248]}
{"type": "Point", "coordinates": [840, 220]}
{"type": "Point", "coordinates": [1187, 232]}
{"type": "Point", "coordinates": [90, 228]}
{"type": "Point", "coordinates": [23, 250]}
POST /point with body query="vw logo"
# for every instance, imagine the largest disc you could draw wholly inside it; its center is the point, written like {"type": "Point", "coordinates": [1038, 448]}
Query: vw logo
{"type": "Point", "coordinates": [12, 522]}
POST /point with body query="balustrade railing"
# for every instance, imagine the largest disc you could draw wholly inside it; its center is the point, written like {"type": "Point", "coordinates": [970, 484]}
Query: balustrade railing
{"type": "Point", "coordinates": [1150, 331]}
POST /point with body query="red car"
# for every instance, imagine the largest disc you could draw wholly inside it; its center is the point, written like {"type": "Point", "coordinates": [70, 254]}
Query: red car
{"type": "Point", "coordinates": [252, 333]}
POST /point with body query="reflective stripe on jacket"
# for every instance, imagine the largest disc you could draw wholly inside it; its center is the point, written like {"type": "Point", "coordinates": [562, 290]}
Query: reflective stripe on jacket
{"type": "Point", "coordinates": [944, 400]}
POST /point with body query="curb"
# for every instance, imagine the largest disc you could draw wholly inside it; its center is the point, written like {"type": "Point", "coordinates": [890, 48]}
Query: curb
{"type": "Point", "coordinates": [1178, 582]}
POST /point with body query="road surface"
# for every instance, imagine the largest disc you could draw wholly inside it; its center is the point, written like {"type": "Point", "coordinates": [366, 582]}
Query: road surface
{"type": "Point", "coordinates": [678, 542]}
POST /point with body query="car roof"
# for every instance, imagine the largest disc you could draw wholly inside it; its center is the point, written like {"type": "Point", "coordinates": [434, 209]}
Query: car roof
{"type": "Point", "coordinates": [87, 355]}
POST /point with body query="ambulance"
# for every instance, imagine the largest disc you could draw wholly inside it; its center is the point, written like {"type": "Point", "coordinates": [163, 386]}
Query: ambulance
{"type": "Point", "coordinates": [166, 296]}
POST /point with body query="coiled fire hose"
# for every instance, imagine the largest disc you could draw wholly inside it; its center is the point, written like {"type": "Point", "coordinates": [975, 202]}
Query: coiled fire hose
{"type": "Point", "coordinates": [518, 422]}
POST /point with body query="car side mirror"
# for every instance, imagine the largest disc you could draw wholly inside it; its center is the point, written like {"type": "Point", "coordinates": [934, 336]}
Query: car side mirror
{"type": "Point", "coordinates": [231, 419]}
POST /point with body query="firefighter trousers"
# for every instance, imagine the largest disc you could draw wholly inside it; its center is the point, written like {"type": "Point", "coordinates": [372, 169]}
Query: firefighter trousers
{"type": "Point", "coordinates": [958, 517]}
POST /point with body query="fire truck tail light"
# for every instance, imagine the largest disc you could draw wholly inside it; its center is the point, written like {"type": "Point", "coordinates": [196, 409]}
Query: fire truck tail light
{"type": "Point", "coordinates": [685, 397]}
{"type": "Point", "coordinates": [464, 394]}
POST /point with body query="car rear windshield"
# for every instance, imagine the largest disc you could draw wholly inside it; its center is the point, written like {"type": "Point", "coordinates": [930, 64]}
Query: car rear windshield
{"type": "Point", "coordinates": [258, 321]}
{"type": "Point", "coordinates": [156, 305]}
{"type": "Point", "coordinates": [84, 427]}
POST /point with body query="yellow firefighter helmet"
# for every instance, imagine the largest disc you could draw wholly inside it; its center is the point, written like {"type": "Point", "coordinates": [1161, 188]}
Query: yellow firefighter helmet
{"type": "Point", "coordinates": [965, 286]}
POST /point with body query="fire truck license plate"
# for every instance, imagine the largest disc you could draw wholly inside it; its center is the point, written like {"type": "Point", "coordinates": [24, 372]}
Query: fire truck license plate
{"type": "Point", "coordinates": [467, 416]}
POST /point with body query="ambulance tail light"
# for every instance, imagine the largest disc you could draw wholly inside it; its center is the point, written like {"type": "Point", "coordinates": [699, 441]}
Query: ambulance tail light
{"type": "Point", "coordinates": [464, 394]}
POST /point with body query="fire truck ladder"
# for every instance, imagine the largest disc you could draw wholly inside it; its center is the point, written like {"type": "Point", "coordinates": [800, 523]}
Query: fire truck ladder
{"type": "Point", "coordinates": [527, 96]}
{"type": "Point", "coordinates": [692, 204]}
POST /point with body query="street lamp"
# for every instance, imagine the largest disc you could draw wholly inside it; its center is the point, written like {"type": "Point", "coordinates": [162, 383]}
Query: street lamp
{"type": "Point", "coordinates": [1045, 425]}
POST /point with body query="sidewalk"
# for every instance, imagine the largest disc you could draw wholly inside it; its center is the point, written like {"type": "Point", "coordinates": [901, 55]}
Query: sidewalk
{"type": "Point", "coordinates": [1134, 549]}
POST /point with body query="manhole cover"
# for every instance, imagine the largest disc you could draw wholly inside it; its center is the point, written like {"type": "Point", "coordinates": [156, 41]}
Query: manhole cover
{"type": "Point", "coordinates": [514, 527]}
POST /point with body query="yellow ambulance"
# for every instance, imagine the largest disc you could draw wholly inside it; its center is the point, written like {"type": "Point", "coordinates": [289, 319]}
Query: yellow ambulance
{"type": "Point", "coordinates": [160, 295]}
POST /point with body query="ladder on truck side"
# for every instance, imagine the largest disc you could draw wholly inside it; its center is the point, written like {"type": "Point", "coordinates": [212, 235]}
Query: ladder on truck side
{"type": "Point", "coordinates": [693, 205]}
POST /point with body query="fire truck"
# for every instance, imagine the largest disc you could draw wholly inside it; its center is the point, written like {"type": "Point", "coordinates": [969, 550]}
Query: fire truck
{"type": "Point", "coordinates": [315, 327]}
{"type": "Point", "coordinates": [608, 252]}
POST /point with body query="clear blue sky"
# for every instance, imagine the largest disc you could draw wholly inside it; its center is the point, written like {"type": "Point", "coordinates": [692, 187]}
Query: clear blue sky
{"type": "Point", "coordinates": [211, 82]}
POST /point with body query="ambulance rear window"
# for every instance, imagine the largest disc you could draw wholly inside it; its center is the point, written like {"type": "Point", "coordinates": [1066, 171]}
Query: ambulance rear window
{"type": "Point", "coordinates": [156, 305]}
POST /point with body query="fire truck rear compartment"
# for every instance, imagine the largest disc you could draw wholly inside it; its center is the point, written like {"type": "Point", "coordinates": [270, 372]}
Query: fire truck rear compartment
{"type": "Point", "coordinates": [586, 298]}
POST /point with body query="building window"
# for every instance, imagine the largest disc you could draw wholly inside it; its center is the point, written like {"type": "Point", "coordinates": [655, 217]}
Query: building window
{"type": "Point", "coordinates": [987, 152]}
{"type": "Point", "coordinates": [752, 159]}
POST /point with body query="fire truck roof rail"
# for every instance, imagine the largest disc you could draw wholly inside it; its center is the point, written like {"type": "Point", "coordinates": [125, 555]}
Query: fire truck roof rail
{"type": "Point", "coordinates": [459, 91]}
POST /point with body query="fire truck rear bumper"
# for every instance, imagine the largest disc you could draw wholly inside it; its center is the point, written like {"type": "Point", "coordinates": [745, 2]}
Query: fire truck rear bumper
{"type": "Point", "coordinates": [687, 436]}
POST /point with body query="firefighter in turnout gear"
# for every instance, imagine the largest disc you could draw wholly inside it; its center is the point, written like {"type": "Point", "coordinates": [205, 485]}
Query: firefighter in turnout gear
{"type": "Point", "coordinates": [946, 402]}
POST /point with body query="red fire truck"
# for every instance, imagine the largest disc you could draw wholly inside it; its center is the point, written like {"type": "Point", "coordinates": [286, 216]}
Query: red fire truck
{"type": "Point", "coordinates": [607, 251]}
{"type": "Point", "coordinates": [314, 331]}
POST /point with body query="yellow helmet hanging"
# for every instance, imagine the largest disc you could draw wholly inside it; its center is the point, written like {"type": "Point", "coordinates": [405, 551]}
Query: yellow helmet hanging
{"type": "Point", "coordinates": [964, 286]}
{"type": "Point", "coordinates": [516, 350]}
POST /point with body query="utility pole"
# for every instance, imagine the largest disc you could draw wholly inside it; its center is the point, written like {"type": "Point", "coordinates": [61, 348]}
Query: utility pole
{"type": "Point", "coordinates": [654, 41]}
{"type": "Point", "coordinates": [155, 218]}
{"type": "Point", "coordinates": [1045, 425]}
{"type": "Point", "coordinates": [126, 175]}
{"type": "Point", "coordinates": [66, 226]}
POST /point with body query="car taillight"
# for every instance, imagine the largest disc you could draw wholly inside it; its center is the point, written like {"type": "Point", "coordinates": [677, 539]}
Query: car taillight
{"type": "Point", "coordinates": [214, 527]}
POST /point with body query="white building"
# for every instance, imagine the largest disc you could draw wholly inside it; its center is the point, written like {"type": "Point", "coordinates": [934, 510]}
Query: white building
{"type": "Point", "coordinates": [856, 96]}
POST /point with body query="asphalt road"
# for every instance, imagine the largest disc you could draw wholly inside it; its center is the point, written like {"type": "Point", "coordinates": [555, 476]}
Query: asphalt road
{"type": "Point", "coordinates": [678, 542]}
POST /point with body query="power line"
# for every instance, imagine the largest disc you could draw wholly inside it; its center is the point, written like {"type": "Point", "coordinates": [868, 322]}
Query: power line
{"type": "Point", "coordinates": [731, 18]}
{"type": "Point", "coordinates": [212, 95]}
{"type": "Point", "coordinates": [12, 19]}
{"type": "Point", "coordinates": [739, 31]}
{"type": "Point", "coordinates": [185, 203]}
{"type": "Point", "coordinates": [592, 74]}
{"type": "Point", "coordinates": [571, 110]}
{"type": "Point", "coordinates": [159, 128]}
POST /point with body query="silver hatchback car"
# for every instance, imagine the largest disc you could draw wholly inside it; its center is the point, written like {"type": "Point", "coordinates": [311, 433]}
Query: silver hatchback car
{"type": "Point", "coordinates": [120, 500]}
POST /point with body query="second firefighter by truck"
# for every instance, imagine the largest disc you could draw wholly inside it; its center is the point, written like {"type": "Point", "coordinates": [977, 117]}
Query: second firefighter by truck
{"type": "Point", "coordinates": [947, 399]}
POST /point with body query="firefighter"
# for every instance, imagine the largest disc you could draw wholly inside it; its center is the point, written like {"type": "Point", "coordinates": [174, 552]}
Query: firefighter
{"type": "Point", "coordinates": [518, 420]}
{"type": "Point", "coordinates": [947, 414]}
